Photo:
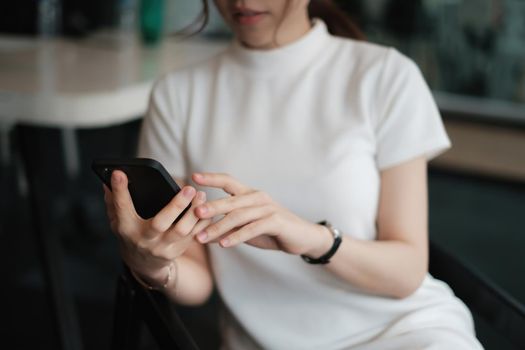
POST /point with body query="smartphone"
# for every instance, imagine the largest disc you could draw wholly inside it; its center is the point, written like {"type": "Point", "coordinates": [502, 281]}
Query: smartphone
{"type": "Point", "coordinates": [149, 183]}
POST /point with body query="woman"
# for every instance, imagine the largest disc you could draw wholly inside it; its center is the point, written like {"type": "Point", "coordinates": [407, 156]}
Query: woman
{"type": "Point", "coordinates": [288, 128]}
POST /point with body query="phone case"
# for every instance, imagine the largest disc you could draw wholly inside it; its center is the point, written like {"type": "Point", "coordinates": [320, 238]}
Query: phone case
{"type": "Point", "coordinates": [150, 185]}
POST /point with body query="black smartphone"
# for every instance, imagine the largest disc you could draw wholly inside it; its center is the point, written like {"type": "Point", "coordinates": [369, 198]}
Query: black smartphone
{"type": "Point", "coordinates": [149, 183]}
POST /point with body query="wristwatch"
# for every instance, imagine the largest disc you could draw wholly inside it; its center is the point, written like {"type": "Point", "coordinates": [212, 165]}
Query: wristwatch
{"type": "Point", "coordinates": [325, 259]}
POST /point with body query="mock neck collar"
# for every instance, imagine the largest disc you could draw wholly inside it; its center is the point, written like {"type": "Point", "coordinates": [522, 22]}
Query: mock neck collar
{"type": "Point", "coordinates": [283, 58]}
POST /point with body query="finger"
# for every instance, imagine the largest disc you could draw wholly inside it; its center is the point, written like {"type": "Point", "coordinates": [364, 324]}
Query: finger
{"type": "Point", "coordinates": [226, 205]}
{"type": "Point", "coordinates": [108, 197]}
{"type": "Point", "coordinates": [167, 216]}
{"type": "Point", "coordinates": [108, 200]}
{"type": "Point", "coordinates": [237, 218]}
{"type": "Point", "coordinates": [246, 233]}
{"type": "Point", "coordinates": [222, 181]}
{"type": "Point", "coordinates": [201, 226]}
{"type": "Point", "coordinates": [121, 212]}
{"type": "Point", "coordinates": [121, 197]}
{"type": "Point", "coordinates": [217, 240]}
{"type": "Point", "coordinates": [110, 208]}
{"type": "Point", "coordinates": [185, 225]}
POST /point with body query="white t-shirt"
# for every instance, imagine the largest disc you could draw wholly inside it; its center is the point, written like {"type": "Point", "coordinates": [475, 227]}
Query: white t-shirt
{"type": "Point", "coordinates": [312, 124]}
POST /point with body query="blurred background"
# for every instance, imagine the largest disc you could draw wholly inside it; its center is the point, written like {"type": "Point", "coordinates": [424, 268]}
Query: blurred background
{"type": "Point", "coordinates": [74, 78]}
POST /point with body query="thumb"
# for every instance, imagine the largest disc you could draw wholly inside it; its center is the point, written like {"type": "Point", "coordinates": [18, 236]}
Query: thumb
{"type": "Point", "coordinates": [121, 197]}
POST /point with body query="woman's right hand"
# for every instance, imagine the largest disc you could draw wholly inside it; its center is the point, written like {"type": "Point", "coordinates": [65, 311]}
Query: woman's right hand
{"type": "Point", "coordinates": [149, 246]}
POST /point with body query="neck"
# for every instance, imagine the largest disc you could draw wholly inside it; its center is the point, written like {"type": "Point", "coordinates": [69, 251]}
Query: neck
{"type": "Point", "coordinates": [285, 59]}
{"type": "Point", "coordinates": [290, 29]}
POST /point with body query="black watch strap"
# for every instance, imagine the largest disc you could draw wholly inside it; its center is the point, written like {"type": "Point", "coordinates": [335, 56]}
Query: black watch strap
{"type": "Point", "coordinates": [325, 259]}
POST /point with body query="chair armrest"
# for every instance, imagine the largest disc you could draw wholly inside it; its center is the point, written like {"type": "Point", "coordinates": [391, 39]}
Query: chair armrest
{"type": "Point", "coordinates": [504, 313]}
{"type": "Point", "coordinates": [136, 304]}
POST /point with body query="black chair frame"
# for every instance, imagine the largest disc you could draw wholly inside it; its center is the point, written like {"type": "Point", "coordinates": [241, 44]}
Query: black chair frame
{"type": "Point", "coordinates": [136, 306]}
{"type": "Point", "coordinates": [483, 297]}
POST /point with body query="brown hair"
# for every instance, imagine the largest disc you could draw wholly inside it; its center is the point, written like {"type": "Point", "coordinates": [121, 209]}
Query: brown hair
{"type": "Point", "coordinates": [338, 22]}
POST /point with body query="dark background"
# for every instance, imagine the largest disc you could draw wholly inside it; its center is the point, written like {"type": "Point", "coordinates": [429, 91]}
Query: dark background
{"type": "Point", "coordinates": [480, 219]}
{"type": "Point", "coordinates": [79, 17]}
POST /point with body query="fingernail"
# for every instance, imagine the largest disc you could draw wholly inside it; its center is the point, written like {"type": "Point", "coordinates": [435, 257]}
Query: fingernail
{"type": "Point", "coordinates": [198, 176]}
{"type": "Point", "coordinates": [188, 192]}
{"type": "Point", "coordinates": [202, 236]}
{"type": "Point", "coordinates": [225, 242]}
{"type": "Point", "coordinates": [202, 196]}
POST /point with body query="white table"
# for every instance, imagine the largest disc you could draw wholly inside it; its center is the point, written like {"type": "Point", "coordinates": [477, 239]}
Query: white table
{"type": "Point", "coordinates": [95, 82]}
{"type": "Point", "coordinates": [101, 81]}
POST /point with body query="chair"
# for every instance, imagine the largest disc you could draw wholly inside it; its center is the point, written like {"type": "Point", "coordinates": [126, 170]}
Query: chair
{"type": "Point", "coordinates": [502, 312]}
{"type": "Point", "coordinates": [135, 304]}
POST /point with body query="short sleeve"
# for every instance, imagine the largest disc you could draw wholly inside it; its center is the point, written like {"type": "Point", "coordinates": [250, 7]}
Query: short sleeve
{"type": "Point", "coordinates": [161, 133]}
{"type": "Point", "coordinates": [408, 123]}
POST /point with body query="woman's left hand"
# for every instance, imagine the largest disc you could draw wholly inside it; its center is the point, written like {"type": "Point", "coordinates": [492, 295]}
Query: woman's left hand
{"type": "Point", "coordinates": [252, 217]}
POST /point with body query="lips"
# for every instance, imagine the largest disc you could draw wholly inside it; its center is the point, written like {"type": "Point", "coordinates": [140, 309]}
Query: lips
{"type": "Point", "coordinates": [247, 16]}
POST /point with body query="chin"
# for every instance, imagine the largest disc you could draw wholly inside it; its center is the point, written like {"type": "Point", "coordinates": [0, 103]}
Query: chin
{"type": "Point", "coordinates": [256, 41]}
